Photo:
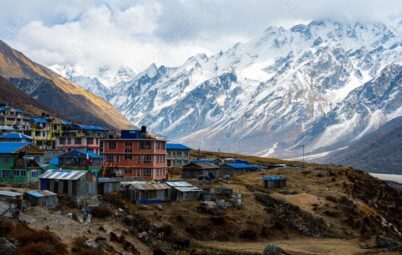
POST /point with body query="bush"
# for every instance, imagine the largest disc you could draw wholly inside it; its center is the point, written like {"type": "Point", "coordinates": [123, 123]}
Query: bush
{"type": "Point", "coordinates": [40, 248]}
{"type": "Point", "coordinates": [6, 226]}
{"type": "Point", "coordinates": [101, 212]}
{"type": "Point", "coordinates": [248, 234]}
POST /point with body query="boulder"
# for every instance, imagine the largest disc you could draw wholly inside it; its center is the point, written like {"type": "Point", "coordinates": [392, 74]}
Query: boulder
{"type": "Point", "coordinates": [90, 243]}
{"type": "Point", "coordinates": [272, 249]}
{"type": "Point", "coordinates": [7, 247]}
{"type": "Point", "coordinates": [388, 243]}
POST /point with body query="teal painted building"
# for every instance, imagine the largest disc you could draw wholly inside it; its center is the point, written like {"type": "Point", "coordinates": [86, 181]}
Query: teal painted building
{"type": "Point", "coordinates": [20, 162]}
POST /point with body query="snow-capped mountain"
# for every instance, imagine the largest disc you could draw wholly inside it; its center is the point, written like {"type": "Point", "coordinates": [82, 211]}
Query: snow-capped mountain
{"type": "Point", "coordinates": [99, 82]}
{"type": "Point", "coordinates": [322, 85]}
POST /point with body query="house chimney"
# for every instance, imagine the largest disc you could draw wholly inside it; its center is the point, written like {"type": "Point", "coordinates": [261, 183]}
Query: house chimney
{"type": "Point", "coordinates": [143, 129]}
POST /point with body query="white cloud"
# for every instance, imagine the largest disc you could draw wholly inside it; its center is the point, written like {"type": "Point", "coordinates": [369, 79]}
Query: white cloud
{"type": "Point", "coordinates": [93, 33]}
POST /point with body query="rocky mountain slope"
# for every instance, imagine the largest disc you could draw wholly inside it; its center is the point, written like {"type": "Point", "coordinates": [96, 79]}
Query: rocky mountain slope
{"type": "Point", "coordinates": [323, 85]}
{"type": "Point", "coordinates": [56, 92]}
{"type": "Point", "coordinates": [13, 96]}
{"type": "Point", "coordinates": [99, 83]}
{"type": "Point", "coordinates": [379, 152]}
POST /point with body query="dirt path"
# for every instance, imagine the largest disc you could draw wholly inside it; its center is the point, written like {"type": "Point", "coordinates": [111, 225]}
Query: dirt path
{"type": "Point", "coordinates": [310, 246]}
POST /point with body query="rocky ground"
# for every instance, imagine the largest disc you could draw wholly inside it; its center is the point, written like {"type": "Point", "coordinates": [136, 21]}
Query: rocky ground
{"type": "Point", "coordinates": [323, 210]}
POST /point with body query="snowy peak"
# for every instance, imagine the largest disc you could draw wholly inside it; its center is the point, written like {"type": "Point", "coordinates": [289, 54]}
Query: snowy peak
{"type": "Point", "coordinates": [311, 84]}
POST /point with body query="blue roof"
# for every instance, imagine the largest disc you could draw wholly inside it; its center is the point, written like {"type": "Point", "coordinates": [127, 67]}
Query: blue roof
{"type": "Point", "coordinates": [54, 161]}
{"type": "Point", "coordinates": [11, 147]}
{"type": "Point", "coordinates": [35, 194]}
{"type": "Point", "coordinates": [96, 128]}
{"type": "Point", "coordinates": [65, 122]}
{"type": "Point", "coordinates": [176, 146]}
{"type": "Point", "coordinates": [241, 166]}
{"type": "Point", "coordinates": [15, 135]}
{"type": "Point", "coordinates": [81, 153]}
{"type": "Point", "coordinates": [18, 110]}
{"type": "Point", "coordinates": [203, 160]}
{"type": "Point", "coordinates": [273, 178]}
{"type": "Point", "coordinates": [39, 120]}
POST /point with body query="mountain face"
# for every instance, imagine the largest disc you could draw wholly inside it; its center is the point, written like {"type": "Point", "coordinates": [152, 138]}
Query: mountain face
{"type": "Point", "coordinates": [379, 152]}
{"type": "Point", "coordinates": [56, 92]}
{"type": "Point", "coordinates": [98, 83]}
{"type": "Point", "coordinates": [14, 97]}
{"type": "Point", "coordinates": [321, 85]}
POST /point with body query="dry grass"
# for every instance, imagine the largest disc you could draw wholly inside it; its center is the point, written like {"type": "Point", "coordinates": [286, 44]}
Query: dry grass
{"type": "Point", "coordinates": [32, 242]}
{"type": "Point", "coordinates": [101, 212]}
{"type": "Point", "coordinates": [252, 159]}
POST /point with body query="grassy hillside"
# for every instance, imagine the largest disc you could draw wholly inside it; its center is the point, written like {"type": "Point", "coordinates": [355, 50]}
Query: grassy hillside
{"type": "Point", "coordinates": [194, 154]}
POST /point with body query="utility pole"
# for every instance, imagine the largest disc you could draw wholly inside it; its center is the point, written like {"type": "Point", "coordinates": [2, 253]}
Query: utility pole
{"type": "Point", "coordinates": [198, 155]}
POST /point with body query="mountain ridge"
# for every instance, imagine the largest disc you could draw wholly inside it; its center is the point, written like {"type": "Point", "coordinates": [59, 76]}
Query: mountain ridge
{"type": "Point", "coordinates": [273, 94]}
{"type": "Point", "coordinates": [45, 85]}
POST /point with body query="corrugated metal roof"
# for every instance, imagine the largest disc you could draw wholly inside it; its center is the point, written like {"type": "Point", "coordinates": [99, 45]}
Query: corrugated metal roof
{"type": "Point", "coordinates": [273, 178]}
{"type": "Point", "coordinates": [105, 179]}
{"type": "Point", "coordinates": [188, 189]}
{"type": "Point", "coordinates": [146, 185]}
{"type": "Point", "coordinates": [9, 193]}
{"type": "Point", "coordinates": [81, 153]}
{"type": "Point", "coordinates": [179, 184]}
{"type": "Point", "coordinates": [11, 147]}
{"type": "Point", "coordinates": [204, 165]}
{"type": "Point", "coordinates": [63, 174]}
{"type": "Point", "coordinates": [15, 135]}
{"type": "Point", "coordinates": [203, 160]}
{"type": "Point", "coordinates": [241, 166]}
{"type": "Point", "coordinates": [176, 146]}
{"type": "Point", "coordinates": [42, 193]}
{"type": "Point", "coordinates": [183, 186]}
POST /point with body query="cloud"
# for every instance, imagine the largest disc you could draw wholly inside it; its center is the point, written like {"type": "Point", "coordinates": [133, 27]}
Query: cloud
{"type": "Point", "coordinates": [94, 33]}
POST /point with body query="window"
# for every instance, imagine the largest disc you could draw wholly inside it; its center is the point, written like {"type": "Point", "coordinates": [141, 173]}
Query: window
{"type": "Point", "coordinates": [145, 145]}
{"type": "Point", "coordinates": [147, 158]}
{"type": "Point", "coordinates": [90, 141]}
{"type": "Point", "coordinates": [109, 158]}
{"type": "Point", "coordinates": [62, 140]}
{"type": "Point", "coordinates": [112, 144]}
{"type": "Point", "coordinates": [147, 172]}
{"type": "Point", "coordinates": [128, 151]}
{"type": "Point", "coordinates": [69, 141]}
{"type": "Point", "coordinates": [4, 160]}
{"type": "Point", "coordinates": [128, 157]}
{"type": "Point", "coordinates": [128, 144]}
{"type": "Point", "coordinates": [77, 141]}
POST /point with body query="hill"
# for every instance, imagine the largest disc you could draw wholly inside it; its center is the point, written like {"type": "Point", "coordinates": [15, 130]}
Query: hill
{"type": "Point", "coordinates": [322, 210]}
{"type": "Point", "coordinates": [56, 92]}
{"type": "Point", "coordinates": [379, 152]}
{"type": "Point", "coordinates": [13, 96]}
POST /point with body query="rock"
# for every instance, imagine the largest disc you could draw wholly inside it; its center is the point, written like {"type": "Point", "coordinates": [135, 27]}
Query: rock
{"type": "Point", "coordinates": [364, 245]}
{"type": "Point", "coordinates": [272, 249]}
{"type": "Point", "coordinates": [388, 243]}
{"type": "Point", "coordinates": [7, 247]}
{"type": "Point", "coordinates": [90, 243]}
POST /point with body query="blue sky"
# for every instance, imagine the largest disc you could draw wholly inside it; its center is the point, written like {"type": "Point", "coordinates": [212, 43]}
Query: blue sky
{"type": "Point", "coordinates": [94, 33]}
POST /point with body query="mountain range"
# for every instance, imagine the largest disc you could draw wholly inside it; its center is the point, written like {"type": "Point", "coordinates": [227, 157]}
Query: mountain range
{"type": "Point", "coordinates": [321, 86]}
{"type": "Point", "coordinates": [56, 92]}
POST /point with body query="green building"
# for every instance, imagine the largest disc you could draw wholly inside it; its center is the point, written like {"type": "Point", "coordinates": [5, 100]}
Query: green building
{"type": "Point", "coordinates": [20, 162]}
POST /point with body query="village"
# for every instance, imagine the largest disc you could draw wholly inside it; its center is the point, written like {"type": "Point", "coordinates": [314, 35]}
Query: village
{"type": "Point", "coordinates": [98, 191]}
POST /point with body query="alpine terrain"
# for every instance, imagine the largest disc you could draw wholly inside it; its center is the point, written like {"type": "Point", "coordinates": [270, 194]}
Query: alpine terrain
{"type": "Point", "coordinates": [323, 85]}
{"type": "Point", "coordinates": [57, 93]}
